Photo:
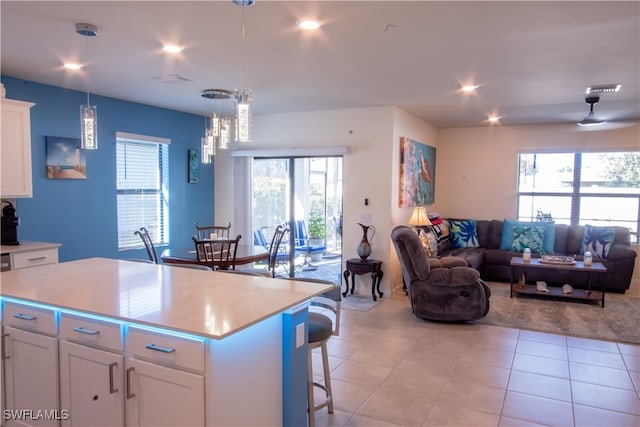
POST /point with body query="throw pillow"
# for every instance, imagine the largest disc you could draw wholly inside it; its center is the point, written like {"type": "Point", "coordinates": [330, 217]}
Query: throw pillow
{"type": "Point", "coordinates": [429, 242]}
{"type": "Point", "coordinates": [464, 234]}
{"type": "Point", "coordinates": [598, 240]}
{"type": "Point", "coordinates": [528, 237]}
{"type": "Point", "coordinates": [441, 233]}
{"type": "Point", "coordinates": [549, 234]}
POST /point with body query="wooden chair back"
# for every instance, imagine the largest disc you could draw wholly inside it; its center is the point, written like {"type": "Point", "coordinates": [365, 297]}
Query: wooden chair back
{"type": "Point", "coordinates": [218, 232]}
{"type": "Point", "coordinates": [219, 254]}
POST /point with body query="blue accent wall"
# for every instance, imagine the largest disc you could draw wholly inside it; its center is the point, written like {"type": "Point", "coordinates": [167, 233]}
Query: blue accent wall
{"type": "Point", "coordinates": [82, 214]}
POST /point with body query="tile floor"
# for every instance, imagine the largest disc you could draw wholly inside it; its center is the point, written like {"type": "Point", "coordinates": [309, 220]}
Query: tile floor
{"type": "Point", "coordinates": [390, 368]}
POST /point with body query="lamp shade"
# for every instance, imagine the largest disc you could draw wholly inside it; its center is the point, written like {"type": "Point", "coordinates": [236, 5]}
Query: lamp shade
{"type": "Point", "coordinates": [419, 217]}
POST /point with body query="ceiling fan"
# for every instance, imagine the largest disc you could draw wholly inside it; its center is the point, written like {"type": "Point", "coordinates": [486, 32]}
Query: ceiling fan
{"type": "Point", "coordinates": [591, 119]}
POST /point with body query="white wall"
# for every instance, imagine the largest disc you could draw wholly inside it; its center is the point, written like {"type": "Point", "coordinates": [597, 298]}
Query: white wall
{"type": "Point", "coordinates": [476, 168]}
{"type": "Point", "coordinates": [367, 169]}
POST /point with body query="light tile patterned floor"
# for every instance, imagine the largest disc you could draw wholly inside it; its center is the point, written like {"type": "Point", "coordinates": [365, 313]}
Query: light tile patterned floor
{"type": "Point", "coordinates": [391, 368]}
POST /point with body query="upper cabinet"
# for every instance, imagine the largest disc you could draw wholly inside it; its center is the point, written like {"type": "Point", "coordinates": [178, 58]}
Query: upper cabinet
{"type": "Point", "coordinates": [16, 149]}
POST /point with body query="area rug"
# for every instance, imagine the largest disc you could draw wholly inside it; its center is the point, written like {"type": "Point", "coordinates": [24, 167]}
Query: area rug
{"type": "Point", "coordinates": [619, 320]}
{"type": "Point", "coordinates": [358, 302]}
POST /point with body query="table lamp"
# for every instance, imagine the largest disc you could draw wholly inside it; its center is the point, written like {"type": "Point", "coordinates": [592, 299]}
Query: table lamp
{"type": "Point", "coordinates": [419, 217]}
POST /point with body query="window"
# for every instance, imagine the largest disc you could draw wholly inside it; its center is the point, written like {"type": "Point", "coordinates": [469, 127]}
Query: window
{"type": "Point", "coordinates": [142, 187]}
{"type": "Point", "coordinates": [581, 188]}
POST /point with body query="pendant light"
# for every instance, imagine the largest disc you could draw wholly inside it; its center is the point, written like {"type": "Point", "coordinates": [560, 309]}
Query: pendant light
{"type": "Point", "coordinates": [88, 112]}
{"type": "Point", "coordinates": [217, 133]}
{"type": "Point", "coordinates": [244, 96]}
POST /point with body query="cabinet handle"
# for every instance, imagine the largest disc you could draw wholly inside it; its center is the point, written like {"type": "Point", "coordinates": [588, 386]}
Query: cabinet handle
{"type": "Point", "coordinates": [4, 347]}
{"type": "Point", "coordinates": [86, 331]}
{"type": "Point", "coordinates": [24, 316]}
{"type": "Point", "coordinates": [128, 384]}
{"type": "Point", "coordinates": [111, 387]}
{"type": "Point", "coordinates": [40, 258]}
{"type": "Point", "coordinates": [162, 349]}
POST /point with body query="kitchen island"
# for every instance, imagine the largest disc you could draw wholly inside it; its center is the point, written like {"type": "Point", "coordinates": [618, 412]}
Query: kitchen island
{"type": "Point", "coordinates": [167, 345]}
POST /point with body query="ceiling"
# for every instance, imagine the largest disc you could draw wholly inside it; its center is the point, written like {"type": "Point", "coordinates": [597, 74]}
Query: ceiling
{"type": "Point", "coordinates": [531, 60]}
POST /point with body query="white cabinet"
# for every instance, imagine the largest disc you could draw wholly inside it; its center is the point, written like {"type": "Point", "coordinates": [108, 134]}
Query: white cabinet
{"type": "Point", "coordinates": [91, 386]}
{"type": "Point", "coordinates": [160, 388]}
{"type": "Point", "coordinates": [162, 396]}
{"type": "Point", "coordinates": [30, 362]}
{"type": "Point", "coordinates": [15, 144]}
{"type": "Point", "coordinates": [30, 254]}
{"type": "Point", "coordinates": [91, 371]}
{"type": "Point", "coordinates": [31, 378]}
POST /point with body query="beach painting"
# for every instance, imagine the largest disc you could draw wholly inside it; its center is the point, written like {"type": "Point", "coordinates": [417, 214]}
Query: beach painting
{"type": "Point", "coordinates": [417, 173]}
{"type": "Point", "coordinates": [65, 158]}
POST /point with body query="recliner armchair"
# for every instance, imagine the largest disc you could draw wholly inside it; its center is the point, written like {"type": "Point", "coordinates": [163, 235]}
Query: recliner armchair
{"type": "Point", "coordinates": [445, 294]}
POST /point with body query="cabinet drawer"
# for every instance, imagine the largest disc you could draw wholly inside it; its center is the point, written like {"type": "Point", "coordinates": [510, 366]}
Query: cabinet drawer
{"type": "Point", "coordinates": [90, 331]}
{"type": "Point", "coordinates": [34, 258]}
{"type": "Point", "coordinates": [33, 318]}
{"type": "Point", "coordinates": [158, 346]}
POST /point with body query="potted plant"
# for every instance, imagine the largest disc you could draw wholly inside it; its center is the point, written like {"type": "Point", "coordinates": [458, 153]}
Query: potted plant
{"type": "Point", "coordinates": [317, 233]}
{"type": "Point", "coordinates": [317, 227]}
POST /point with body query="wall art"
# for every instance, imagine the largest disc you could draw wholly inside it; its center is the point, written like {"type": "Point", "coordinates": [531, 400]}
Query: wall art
{"type": "Point", "coordinates": [65, 158]}
{"type": "Point", "coordinates": [417, 173]}
{"type": "Point", "coordinates": [194, 167]}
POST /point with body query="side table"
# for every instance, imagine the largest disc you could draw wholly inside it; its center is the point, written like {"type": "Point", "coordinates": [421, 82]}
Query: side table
{"type": "Point", "coordinates": [361, 266]}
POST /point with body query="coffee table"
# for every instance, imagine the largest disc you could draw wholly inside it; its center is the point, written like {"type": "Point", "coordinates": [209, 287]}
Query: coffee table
{"type": "Point", "coordinates": [577, 294]}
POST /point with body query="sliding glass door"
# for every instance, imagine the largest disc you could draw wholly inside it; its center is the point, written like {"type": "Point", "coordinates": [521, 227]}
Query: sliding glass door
{"type": "Point", "coordinates": [305, 196]}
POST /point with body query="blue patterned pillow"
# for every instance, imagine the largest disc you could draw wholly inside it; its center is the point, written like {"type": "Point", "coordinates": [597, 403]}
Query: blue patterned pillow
{"type": "Point", "coordinates": [528, 237]}
{"type": "Point", "coordinates": [549, 233]}
{"type": "Point", "coordinates": [598, 240]}
{"type": "Point", "coordinates": [464, 234]}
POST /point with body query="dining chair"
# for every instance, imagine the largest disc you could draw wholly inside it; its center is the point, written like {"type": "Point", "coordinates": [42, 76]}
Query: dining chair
{"type": "Point", "coordinates": [277, 254]}
{"type": "Point", "coordinates": [219, 254]}
{"type": "Point", "coordinates": [218, 231]}
{"type": "Point", "coordinates": [148, 244]}
{"type": "Point", "coordinates": [324, 322]}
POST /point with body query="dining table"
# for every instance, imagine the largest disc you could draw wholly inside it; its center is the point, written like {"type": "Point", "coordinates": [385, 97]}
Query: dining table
{"type": "Point", "coordinates": [245, 254]}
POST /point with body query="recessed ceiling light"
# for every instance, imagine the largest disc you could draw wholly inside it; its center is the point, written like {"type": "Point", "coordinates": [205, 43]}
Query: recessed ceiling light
{"type": "Point", "coordinates": [72, 66]}
{"type": "Point", "coordinates": [172, 48]}
{"type": "Point", "coordinates": [469, 88]}
{"type": "Point", "coordinates": [309, 24]}
{"type": "Point", "coordinates": [493, 119]}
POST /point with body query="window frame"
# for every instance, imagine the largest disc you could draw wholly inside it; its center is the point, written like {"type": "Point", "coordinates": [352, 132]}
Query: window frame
{"type": "Point", "coordinates": [160, 192]}
{"type": "Point", "coordinates": [576, 193]}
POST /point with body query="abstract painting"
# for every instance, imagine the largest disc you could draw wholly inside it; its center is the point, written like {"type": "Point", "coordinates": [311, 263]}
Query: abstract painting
{"type": "Point", "coordinates": [417, 173]}
{"type": "Point", "coordinates": [65, 158]}
{"type": "Point", "coordinates": [194, 167]}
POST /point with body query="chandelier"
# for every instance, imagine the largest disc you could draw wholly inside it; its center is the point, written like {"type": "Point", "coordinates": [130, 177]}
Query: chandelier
{"type": "Point", "coordinates": [217, 133]}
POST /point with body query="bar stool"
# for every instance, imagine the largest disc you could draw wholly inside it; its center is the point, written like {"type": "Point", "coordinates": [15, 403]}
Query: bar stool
{"type": "Point", "coordinates": [324, 321]}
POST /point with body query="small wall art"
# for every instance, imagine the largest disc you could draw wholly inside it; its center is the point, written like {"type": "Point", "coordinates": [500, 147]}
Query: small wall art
{"type": "Point", "coordinates": [194, 167]}
{"type": "Point", "coordinates": [65, 158]}
{"type": "Point", "coordinates": [417, 173]}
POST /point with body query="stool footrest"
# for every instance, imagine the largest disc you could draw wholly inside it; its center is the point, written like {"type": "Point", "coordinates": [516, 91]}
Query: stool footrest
{"type": "Point", "coordinates": [327, 401]}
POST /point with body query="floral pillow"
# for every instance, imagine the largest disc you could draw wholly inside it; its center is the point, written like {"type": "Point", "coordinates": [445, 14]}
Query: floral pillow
{"type": "Point", "coordinates": [464, 234]}
{"type": "Point", "coordinates": [598, 240]}
{"type": "Point", "coordinates": [531, 237]}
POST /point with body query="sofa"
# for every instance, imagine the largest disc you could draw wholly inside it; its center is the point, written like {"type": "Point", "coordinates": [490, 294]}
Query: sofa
{"type": "Point", "coordinates": [484, 245]}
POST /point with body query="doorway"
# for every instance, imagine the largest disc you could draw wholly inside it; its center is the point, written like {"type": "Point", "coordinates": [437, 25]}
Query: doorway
{"type": "Point", "coordinates": [304, 194]}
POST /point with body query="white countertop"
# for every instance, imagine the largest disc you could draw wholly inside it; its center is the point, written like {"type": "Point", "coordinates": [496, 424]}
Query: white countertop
{"type": "Point", "coordinates": [26, 245]}
{"type": "Point", "coordinates": [205, 303]}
